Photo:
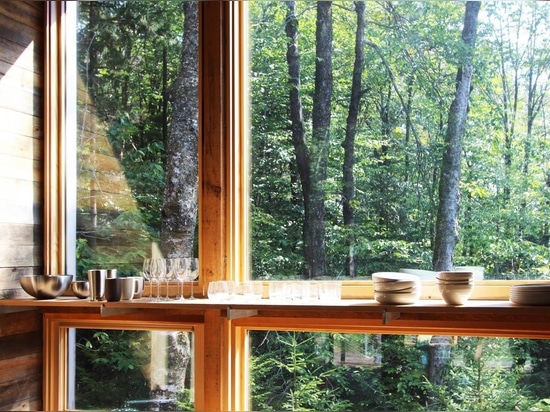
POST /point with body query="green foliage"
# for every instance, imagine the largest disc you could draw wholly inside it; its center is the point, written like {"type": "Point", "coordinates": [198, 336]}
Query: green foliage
{"type": "Point", "coordinates": [109, 368]}
{"type": "Point", "coordinates": [484, 377]}
{"type": "Point", "coordinates": [299, 371]}
{"type": "Point", "coordinates": [128, 259]}
{"type": "Point", "coordinates": [295, 371]}
{"type": "Point", "coordinates": [412, 51]}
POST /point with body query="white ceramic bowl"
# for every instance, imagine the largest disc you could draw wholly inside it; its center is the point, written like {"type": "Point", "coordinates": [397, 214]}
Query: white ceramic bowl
{"type": "Point", "coordinates": [393, 298]}
{"type": "Point", "coordinates": [393, 277]}
{"type": "Point", "coordinates": [455, 295]}
{"type": "Point", "coordinates": [455, 275]}
{"type": "Point", "coordinates": [401, 285]}
{"type": "Point", "coordinates": [454, 282]}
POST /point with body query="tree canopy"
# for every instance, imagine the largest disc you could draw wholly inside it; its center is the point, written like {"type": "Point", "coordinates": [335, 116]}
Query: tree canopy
{"type": "Point", "coordinates": [412, 52]}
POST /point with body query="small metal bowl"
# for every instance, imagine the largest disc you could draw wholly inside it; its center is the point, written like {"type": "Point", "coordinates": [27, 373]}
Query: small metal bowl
{"type": "Point", "coordinates": [81, 288]}
{"type": "Point", "coordinates": [45, 286]}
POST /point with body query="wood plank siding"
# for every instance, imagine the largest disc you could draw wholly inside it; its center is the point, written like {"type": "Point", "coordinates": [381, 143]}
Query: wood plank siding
{"type": "Point", "coordinates": [21, 197]}
{"type": "Point", "coordinates": [21, 134]}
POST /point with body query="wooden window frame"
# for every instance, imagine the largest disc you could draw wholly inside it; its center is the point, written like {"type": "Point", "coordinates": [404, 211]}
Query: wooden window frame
{"type": "Point", "coordinates": [56, 354]}
{"type": "Point", "coordinates": [223, 224]}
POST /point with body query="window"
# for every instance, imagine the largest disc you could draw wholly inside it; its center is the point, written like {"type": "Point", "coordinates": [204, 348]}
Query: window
{"type": "Point", "coordinates": [151, 352]}
{"type": "Point", "coordinates": [223, 176]}
{"type": "Point", "coordinates": [137, 158]}
{"type": "Point", "coordinates": [376, 143]}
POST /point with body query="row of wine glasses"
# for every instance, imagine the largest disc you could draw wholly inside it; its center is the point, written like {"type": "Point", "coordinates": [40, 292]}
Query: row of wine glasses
{"type": "Point", "coordinates": [158, 271]}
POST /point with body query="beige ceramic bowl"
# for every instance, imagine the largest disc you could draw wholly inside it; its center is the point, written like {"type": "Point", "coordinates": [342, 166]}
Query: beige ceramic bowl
{"type": "Point", "coordinates": [455, 275]}
{"type": "Point", "coordinates": [455, 282]}
{"type": "Point", "coordinates": [396, 286]}
{"type": "Point", "coordinates": [393, 277]}
{"type": "Point", "coordinates": [396, 298]}
{"type": "Point", "coordinates": [455, 295]}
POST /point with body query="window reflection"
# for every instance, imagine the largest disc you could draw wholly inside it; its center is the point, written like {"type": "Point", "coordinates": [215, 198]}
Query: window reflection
{"type": "Point", "coordinates": [340, 371]}
{"type": "Point", "coordinates": [134, 370]}
{"type": "Point", "coordinates": [137, 132]}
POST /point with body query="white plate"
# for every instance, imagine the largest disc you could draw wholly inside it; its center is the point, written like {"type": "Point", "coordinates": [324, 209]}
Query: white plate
{"type": "Point", "coordinates": [530, 294]}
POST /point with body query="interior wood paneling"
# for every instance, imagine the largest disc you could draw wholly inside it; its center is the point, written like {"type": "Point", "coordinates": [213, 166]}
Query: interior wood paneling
{"type": "Point", "coordinates": [21, 197]}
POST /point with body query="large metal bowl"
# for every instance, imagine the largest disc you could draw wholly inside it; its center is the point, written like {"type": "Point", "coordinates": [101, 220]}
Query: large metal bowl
{"type": "Point", "coordinates": [45, 286]}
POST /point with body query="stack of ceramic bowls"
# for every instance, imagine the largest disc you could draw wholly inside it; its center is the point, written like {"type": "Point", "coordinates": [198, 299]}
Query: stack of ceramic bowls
{"type": "Point", "coordinates": [530, 294]}
{"type": "Point", "coordinates": [396, 288]}
{"type": "Point", "coordinates": [455, 287]}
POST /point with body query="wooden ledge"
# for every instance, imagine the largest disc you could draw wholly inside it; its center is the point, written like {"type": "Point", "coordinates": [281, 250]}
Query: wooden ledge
{"type": "Point", "coordinates": [495, 307]}
{"type": "Point", "coordinates": [476, 318]}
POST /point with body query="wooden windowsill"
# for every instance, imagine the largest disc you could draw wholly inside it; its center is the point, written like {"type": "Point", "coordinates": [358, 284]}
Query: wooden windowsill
{"type": "Point", "coordinates": [495, 307]}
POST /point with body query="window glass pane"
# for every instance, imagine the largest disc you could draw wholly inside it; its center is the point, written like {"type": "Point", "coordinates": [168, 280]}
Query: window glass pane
{"type": "Point", "coordinates": [352, 372]}
{"type": "Point", "coordinates": [137, 132]}
{"type": "Point", "coordinates": [134, 370]}
{"type": "Point", "coordinates": [349, 126]}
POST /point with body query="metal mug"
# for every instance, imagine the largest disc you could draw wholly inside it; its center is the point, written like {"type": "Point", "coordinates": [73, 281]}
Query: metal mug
{"type": "Point", "coordinates": [96, 279]}
{"type": "Point", "coordinates": [111, 273]}
{"type": "Point", "coordinates": [113, 289]}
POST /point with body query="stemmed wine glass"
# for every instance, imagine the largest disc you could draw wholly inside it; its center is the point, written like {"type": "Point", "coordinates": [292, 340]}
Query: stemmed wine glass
{"type": "Point", "coordinates": [147, 275]}
{"type": "Point", "coordinates": [167, 276]}
{"type": "Point", "coordinates": [158, 272]}
{"type": "Point", "coordinates": [192, 272]}
{"type": "Point", "coordinates": [180, 276]}
{"type": "Point", "coordinates": [174, 272]}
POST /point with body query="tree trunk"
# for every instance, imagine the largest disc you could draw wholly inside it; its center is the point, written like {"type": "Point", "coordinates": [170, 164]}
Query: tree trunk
{"type": "Point", "coordinates": [439, 355]}
{"type": "Point", "coordinates": [315, 217]}
{"type": "Point", "coordinates": [446, 236]}
{"type": "Point", "coordinates": [348, 184]}
{"type": "Point", "coordinates": [301, 150]}
{"type": "Point", "coordinates": [312, 161]}
{"type": "Point", "coordinates": [179, 211]}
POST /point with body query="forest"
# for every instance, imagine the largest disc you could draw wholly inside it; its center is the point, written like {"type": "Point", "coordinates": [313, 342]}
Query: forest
{"type": "Point", "coordinates": [383, 135]}
{"type": "Point", "coordinates": [394, 78]}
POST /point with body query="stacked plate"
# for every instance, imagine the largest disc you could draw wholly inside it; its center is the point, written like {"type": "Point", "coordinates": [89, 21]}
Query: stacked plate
{"type": "Point", "coordinates": [530, 294]}
{"type": "Point", "coordinates": [396, 288]}
{"type": "Point", "coordinates": [455, 287]}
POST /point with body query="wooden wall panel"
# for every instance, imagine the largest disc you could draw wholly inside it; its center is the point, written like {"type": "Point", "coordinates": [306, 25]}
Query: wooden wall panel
{"type": "Point", "coordinates": [21, 197]}
{"type": "Point", "coordinates": [21, 361]}
{"type": "Point", "coordinates": [21, 142]}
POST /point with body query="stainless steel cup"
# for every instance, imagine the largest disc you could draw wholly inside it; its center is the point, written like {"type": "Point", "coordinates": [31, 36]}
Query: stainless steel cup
{"type": "Point", "coordinates": [96, 278]}
{"type": "Point", "coordinates": [111, 273]}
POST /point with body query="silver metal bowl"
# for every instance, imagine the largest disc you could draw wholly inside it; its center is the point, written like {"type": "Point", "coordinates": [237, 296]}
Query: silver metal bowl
{"type": "Point", "coordinates": [81, 288]}
{"type": "Point", "coordinates": [45, 286]}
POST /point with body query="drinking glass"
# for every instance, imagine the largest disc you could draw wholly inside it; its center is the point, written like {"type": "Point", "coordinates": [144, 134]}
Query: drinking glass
{"type": "Point", "coordinates": [147, 276]}
{"type": "Point", "coordinates": [218, 291]}
{"type": "Point", "coordinates": [158, 272]}
{"type": "Point", "coordinates": [180, 275]}
{"type": "Point", "coordinates": [169, 274]}
{"type": "Point", "coordinates": [192, 272]}
{"type": "Point", "coordinates": [175, 272]}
